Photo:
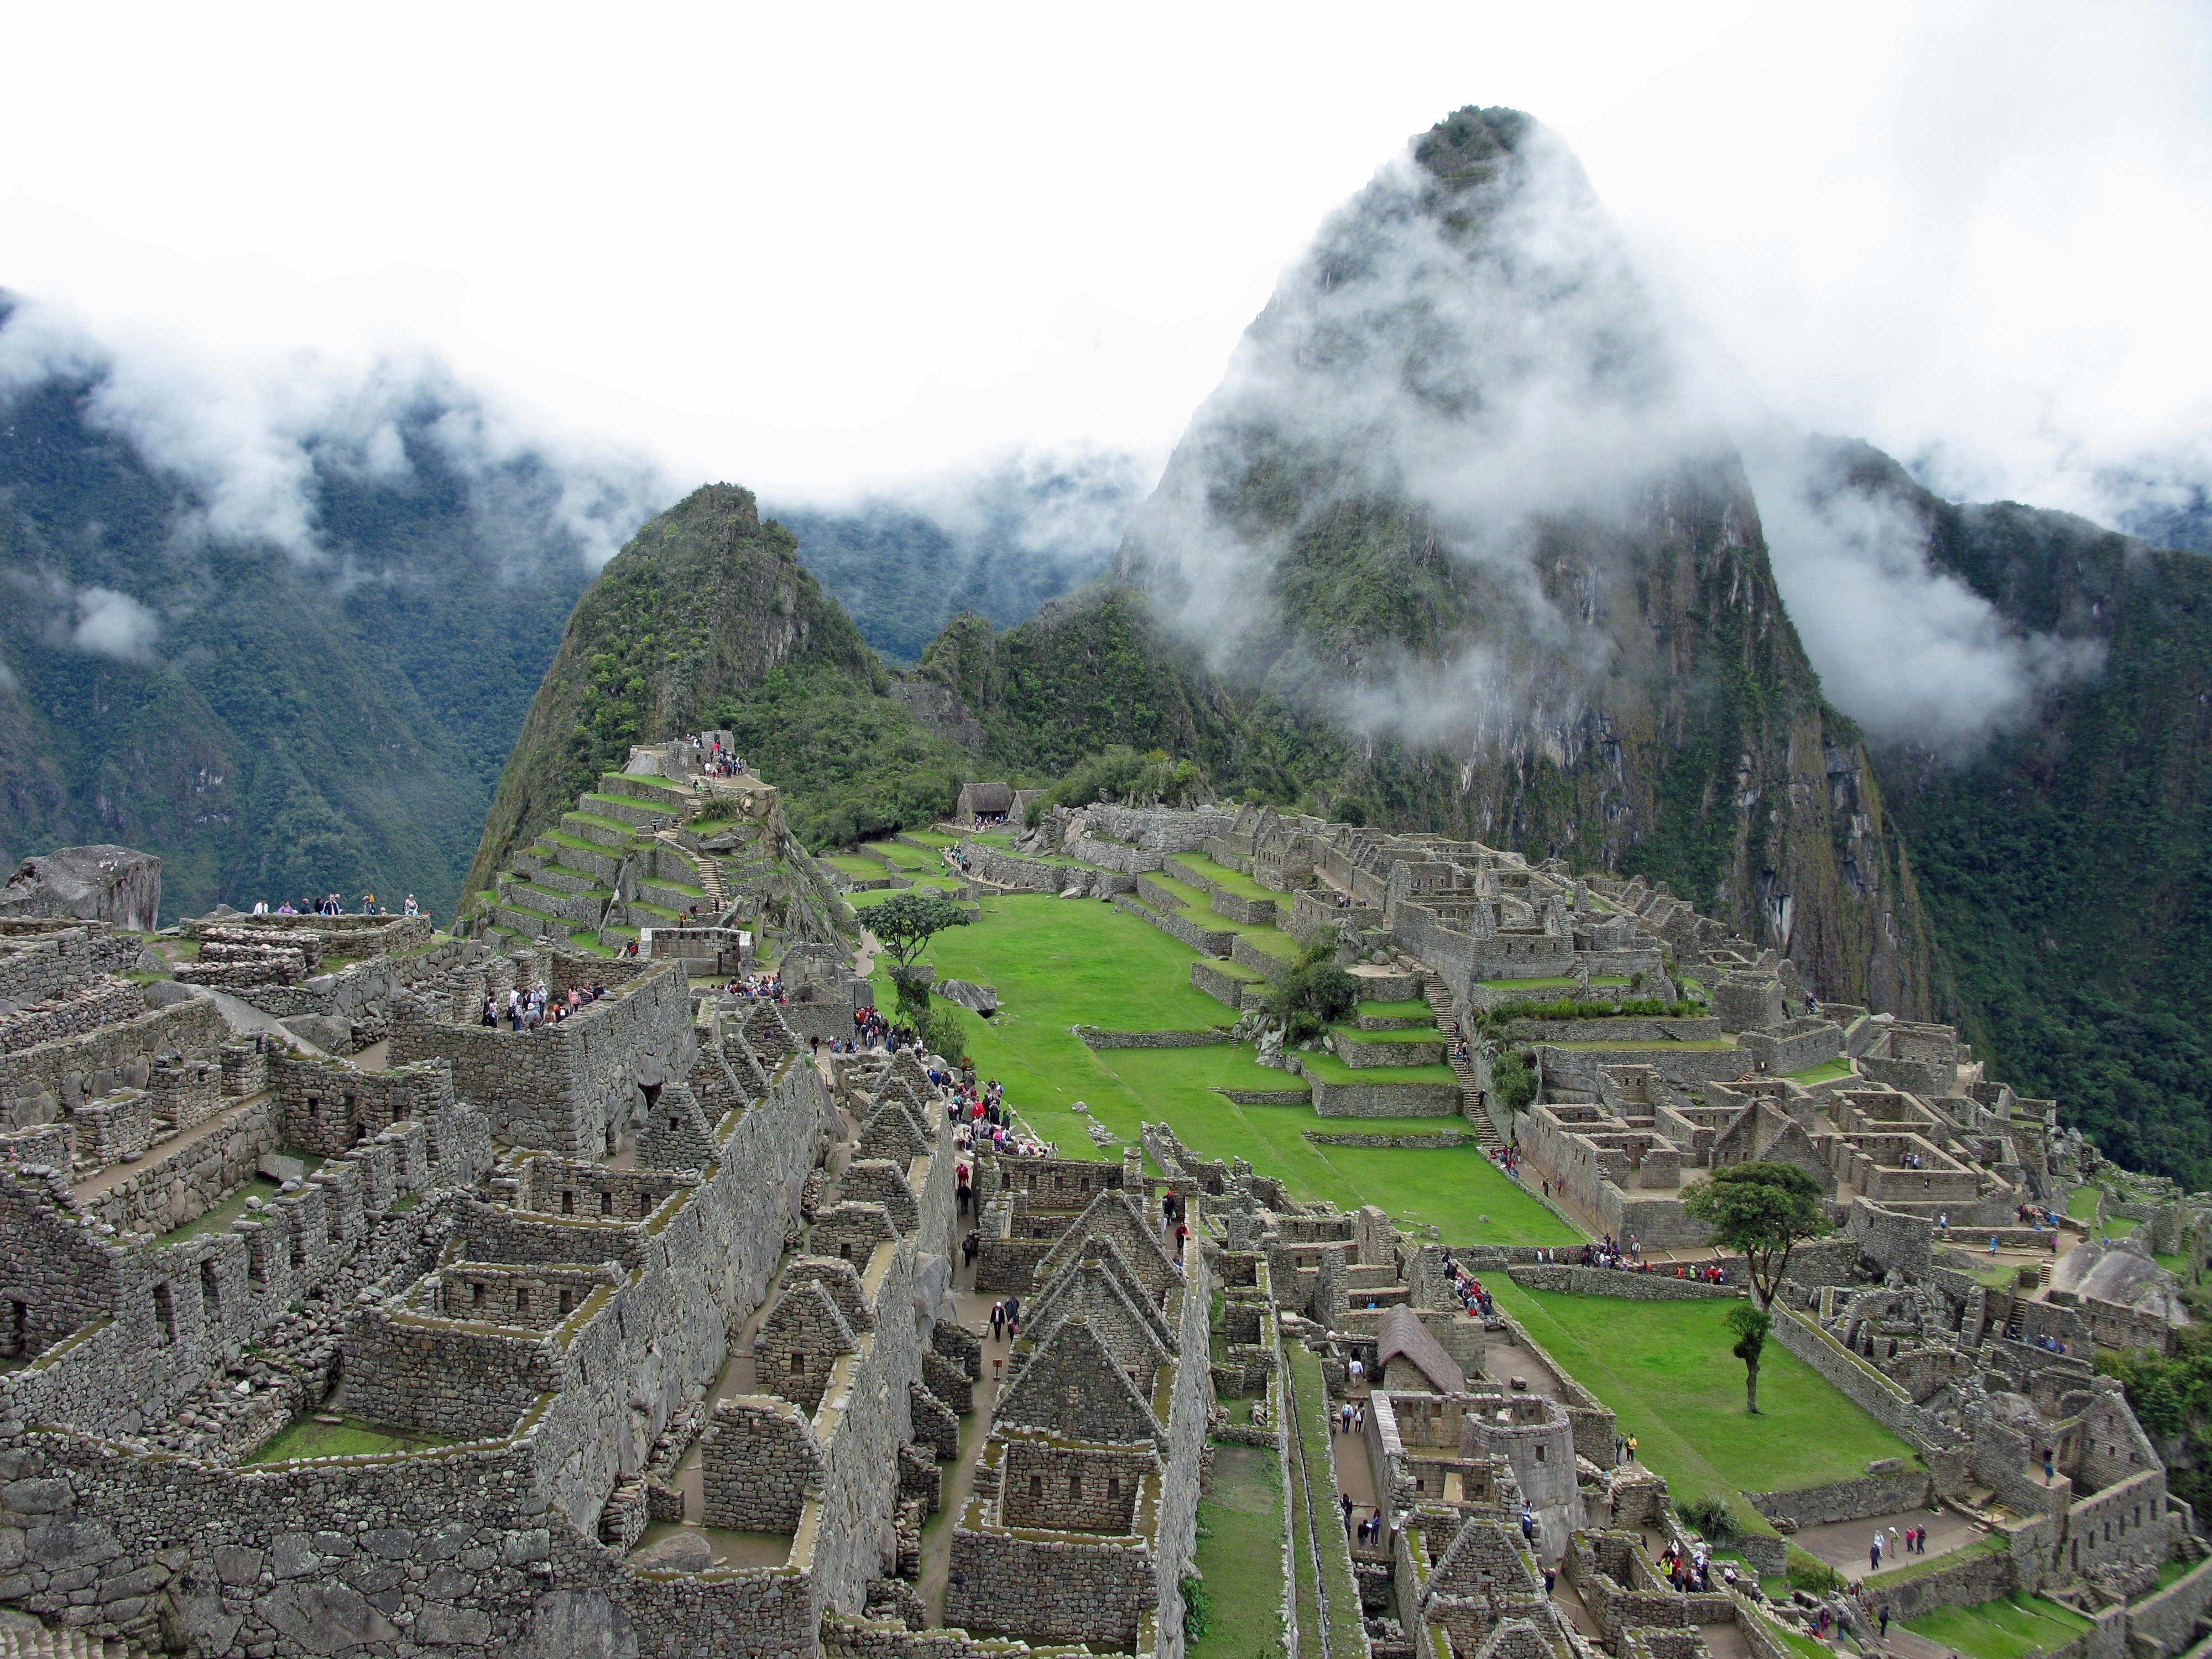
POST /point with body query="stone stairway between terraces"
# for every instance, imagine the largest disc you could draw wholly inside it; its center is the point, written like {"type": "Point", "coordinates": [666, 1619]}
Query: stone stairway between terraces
{"type": "Point", "coordinates": [1477, 1115]}
{"type": "Point", "coordinates": [23, 1637]}
{"type": "Point", "coordinates": [710, 874]}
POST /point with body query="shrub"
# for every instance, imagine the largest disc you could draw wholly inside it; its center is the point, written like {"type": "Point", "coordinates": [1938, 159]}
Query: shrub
{"type": "Point", "coordinates": [1120, 773]}
{"type": "Point", "coordinates": [945, 1032]}
{"type": "Point", "coordinates": [1710, 1516]}
{"type": "Point", "coordinates": [1315, 996]}
{"type": "Point", "coordinates": [1197, 1605]}
{"type": "Point", "coordinates": [1513, 1083]}
{"type": "Point", "coordinates": [1808, 1572]}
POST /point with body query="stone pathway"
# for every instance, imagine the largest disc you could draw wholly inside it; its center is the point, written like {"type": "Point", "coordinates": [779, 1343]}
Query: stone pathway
{"type": "Point", "coordinates": [1843, 1544]}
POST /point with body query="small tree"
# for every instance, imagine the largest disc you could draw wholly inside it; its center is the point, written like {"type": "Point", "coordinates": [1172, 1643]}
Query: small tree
{"type": "Point", "coordinates": [1750, 1325]}
{"type": "Point", "coordinates": [1314, 995]}
{"type": "Point", "coordinates": [1512, 1086]}
{"type": "Point", "coordinates": [1763, 1210]}
{"type": "Point", "coordinates": [903, 925]}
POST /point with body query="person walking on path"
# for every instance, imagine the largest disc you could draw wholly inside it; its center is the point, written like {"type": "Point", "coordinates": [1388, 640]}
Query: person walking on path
{"type": "Point", "coordinates": [1874, 1552]}
{"type": "Point", "coordinates": [1884, 1618]}
{"type": "Point", "coordinates": [998, 1320]}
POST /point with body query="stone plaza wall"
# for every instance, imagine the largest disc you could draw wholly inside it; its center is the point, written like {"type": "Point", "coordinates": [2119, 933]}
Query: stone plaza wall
{"type": "Point", "coordinates": [1889, 1493]}
{"type": "Point", "coordinates": [178, 1184]}
{"type": "Point", "coordinates": [44, 1083]}
{"type": "Point", "coordinates": [1385, 1099]}
{"type": "Point", "coordinates": [1211, 942]}
{"type": "Point", "coordinates": [1231, 990]}
{"type": "Point", "coordinates": [574, 1087]}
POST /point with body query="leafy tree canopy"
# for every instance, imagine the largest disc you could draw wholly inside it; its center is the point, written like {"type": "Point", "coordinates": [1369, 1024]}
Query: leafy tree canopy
{"type": "Point", "coordinates": [905, 922]}
{"type": "Point", "coordinates": [1763, 1210]}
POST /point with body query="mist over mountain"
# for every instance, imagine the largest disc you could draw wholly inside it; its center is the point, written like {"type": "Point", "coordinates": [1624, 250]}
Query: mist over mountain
{"type": "Point", "coordinates": [998, 542]}
{"type": "Point", "coordinates": [281, 634]}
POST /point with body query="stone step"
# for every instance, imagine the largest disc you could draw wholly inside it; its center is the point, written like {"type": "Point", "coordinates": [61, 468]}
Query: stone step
{"type": "Point", "coordinates": [625, 809]}
{"type": "Point", "coordinates": [1478, 1115]}
{"type": "Point", "coordinates": [596, 827]}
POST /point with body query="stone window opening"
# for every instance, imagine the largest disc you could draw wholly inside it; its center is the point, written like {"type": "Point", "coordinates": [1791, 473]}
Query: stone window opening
{"type": "Point", "coordinates": [256, 1265]}
{"type": "Point", "coordinates": [1036, 1488]}
{"type": "Point", "coordinates": [567, 1299]}
{"type": "Point", "coordinates": [521, 1301]}
{"type": "Point", "coordinates": [337, 1218]}
{"type": "Point", "coordinates": [211, 1293]}
{"type": "Point", "coordinates": [1113, 1488]}
{"type": "Point", "coordinates": [475, 1293]}
{"type": "Point", "coordinates": [797, 1364]}
{"type": "Point", "coordinates": [606, 1203]}
{"type": "Point", "coordinates": [299, 1245]}
{"type": "Point", "coordinates": [568, 1202]}
{"type": "Point", "coordinates": [165, 1316]}
{"type": "Point", "coordinates": [1540, 1452]}
{"type": "Point", "coordinates": [1074, 1488]}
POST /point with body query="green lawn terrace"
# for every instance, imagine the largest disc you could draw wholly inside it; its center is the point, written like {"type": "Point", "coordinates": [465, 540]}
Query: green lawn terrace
{"type": "Point", "coordinates": [1057, 963]}
{"type": "Point", "coordinates": [637, 852]}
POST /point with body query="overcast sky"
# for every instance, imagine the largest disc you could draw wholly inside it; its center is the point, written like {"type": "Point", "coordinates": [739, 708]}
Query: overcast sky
{"type": "Point", "coordinates": [817, 248]}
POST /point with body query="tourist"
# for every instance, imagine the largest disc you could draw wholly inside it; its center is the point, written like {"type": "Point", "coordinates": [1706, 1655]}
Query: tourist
{"type": "Point", "coordinates": [998, 1320]}
{"type": "Point", "coordinates": [261, 907]}
{"type": "Point", "coordinates": [1874, 1552]}
{"type": "Point", "coordinates": [1345, 1498]}
{"type": "Point", "coordinates": [2050, 1467]}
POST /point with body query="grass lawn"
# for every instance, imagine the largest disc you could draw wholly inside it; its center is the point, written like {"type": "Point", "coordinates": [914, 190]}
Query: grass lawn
{"type": "Point", "coordinates": [1455, 1188]}
{"type": "Point", "coordinates": [352, 1438]}
{"type": "Point", "coordinates": [1414, 1033]}
{"type": "Point", "coordinates": [1057, 962]}
{"type": "Point", "coordinates": [1229, 880]}
{"type": "Point", "coordinates": [1240, 1554]}
{"type": "Point", "coordinates": [907, 858]}
{"type": "Point", "coordinates": [2007, 1629]}
{"type": "Point", "coordinates": [854, 864]}
{"type": "Point", "coordinates": [1329, 1069]}
{"type": "Point", "coordinates": [1415, 1009]}
{"type": "Point", "coordinates": [1665, 1370]}
{"type": "Point", "coordinates": [1822, 1073]}
{"type": "Point", "coordinates": [2081, 1203]}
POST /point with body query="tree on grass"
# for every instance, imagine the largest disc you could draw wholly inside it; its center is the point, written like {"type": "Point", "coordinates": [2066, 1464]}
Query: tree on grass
{"type": "Point", "coordinates": [1765, 1211]}
{"type": "Point", "coordinates": [903, 925]}
{"type": "Point", "coordinates": [1512, 1087]}
{"type": "Point", "coordinates": [1750, 1325]}
{"type": "Point", "coordinates": [1314, 996]}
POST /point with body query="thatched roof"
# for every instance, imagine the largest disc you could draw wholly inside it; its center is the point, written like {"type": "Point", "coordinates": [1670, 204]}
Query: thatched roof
{"type": "Point", "coordinates": [987, 797]}
{"type": "Point", "coordinates": [1403, 1335]}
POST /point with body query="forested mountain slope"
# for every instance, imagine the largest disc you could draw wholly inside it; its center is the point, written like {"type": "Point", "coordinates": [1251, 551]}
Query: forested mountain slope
{"type": "Point", "coordinates": [2067, 867]}
{"type": "Point", "coordinates": [272, 726]}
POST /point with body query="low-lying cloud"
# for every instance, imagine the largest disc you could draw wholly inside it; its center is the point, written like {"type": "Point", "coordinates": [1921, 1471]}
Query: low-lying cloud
{"type": "Point", "coordinates": [250, 448]}
{"type": "Point", "coordinates": [1489, 364]}
{"type": "Point", "coordinates": [111, 625]}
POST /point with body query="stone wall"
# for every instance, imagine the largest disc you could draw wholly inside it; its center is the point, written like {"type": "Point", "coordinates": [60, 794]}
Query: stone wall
{"type": "Point", "coordinates": [575, 1087]}
{"type": "Point", "coordinates": [44, 1083]}
{"type": "Point", "coordinates": [1232, 990]}
{"type": "Point", "coordinates": [757, 1460]}
{"type": "Point", "coordinates": [1092, 1038]}
{"type": "Point", "coordinates": [73, 1011]}
{"type": "Point", "coordinates": [1616, 1282]}
{"type": "Point", "coordinates": [179, 1184]}
{"type": "Point", "coordinates": [1890, 1493]}
{"type": "Point", "coordinates": [1211, 942]}
{"type": "Point", "coordinates": [1385, 1099]}
{"type": "Point", "coordinates": [49, 961]}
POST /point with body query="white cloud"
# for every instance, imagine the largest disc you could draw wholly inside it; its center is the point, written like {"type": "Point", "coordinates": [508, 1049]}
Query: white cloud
{"type": "Point", "coordinates": [1912, 653]}
{"type": "Point", "coordinates": [113, 624]}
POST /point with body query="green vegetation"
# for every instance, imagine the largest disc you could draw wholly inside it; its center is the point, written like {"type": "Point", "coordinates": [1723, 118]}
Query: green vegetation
{"type": "Point", "coordinates": [1661, 1366]}
{"type": "Point", "coordinates": [1566, 1008]}
{"type": "Point", "coordinates": [306, 1437]}
{"type": "Point", "coordinates": [1750, 1326]}
{"type": "Point", "coordinates": [1327, 1551]}
{"type": "Point", "coordinates": [1313, 996]}
{"type": "Point", "coordinates": [2011, 1628]}
{"type": "Point", "coordinates": [1765, 1211]}
{"type": "Point", "coordinates": [1120, 774]}
{"type": "Point", "coordinates": [1240, 1554]}
{"type": "Point", "coordinates": [2172, 1394]}
{"type": "Point", "coordinates": [1327, 1069]}
{"type": "Point", "coordinates": [1826, 1070]}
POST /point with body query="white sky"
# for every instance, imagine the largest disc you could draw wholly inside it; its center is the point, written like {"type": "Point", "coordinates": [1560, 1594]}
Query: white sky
{"type": "Point", "coordinates": [813, 248]}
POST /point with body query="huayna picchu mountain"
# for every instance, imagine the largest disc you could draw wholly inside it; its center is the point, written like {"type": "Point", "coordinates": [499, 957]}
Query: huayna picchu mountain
{"type": "Point", "coordinates": [1453, 547]}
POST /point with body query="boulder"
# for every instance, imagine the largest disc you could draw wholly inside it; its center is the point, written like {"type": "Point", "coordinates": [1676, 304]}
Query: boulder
{"type": "Point", "coordinates": [680, 1552]}
{"type": "Point", "coordinates": [118, 885]}
{"type": "Point", "coordinates": [325, 1031]}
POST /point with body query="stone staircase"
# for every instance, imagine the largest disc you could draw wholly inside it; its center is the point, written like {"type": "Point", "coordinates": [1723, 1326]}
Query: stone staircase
{"type": "Point", "coordinates": [1470, 1091]}
{"type": "Point", "coordinates": [23, 1637]}
{"type": "Point", "coordinates": [609, 867]}
{"type": "Point", "coordinates": [709, 873]}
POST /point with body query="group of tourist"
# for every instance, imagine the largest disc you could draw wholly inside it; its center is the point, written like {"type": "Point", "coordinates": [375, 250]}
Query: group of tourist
{"type": "Point", "coordinates": [1691, 1572]}
{"type": "Point", "coordinates": [1173, 1228]}
{"type": "Point", "coordinates": [765, 987]}
{"type": "Point", "coordinates": [1913, 1540]}
{"type": "Point", "coordinates": [332, 904]}
{"type": "Point", "coordinates": [1468, 1289]}
{"type": "Point", "coordinates": [1006, 1319]}
{"type": "Point", "coordinates": [989, 820]}
{"type": "Point", "coordinates": [1366, 1529]}
{"type": "Point", "coordinates": [531, 1009]}
{"type": "Point", "coordinates": [716, 761]}
{"type": "Point", "coordinates": [1351, 1417]}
